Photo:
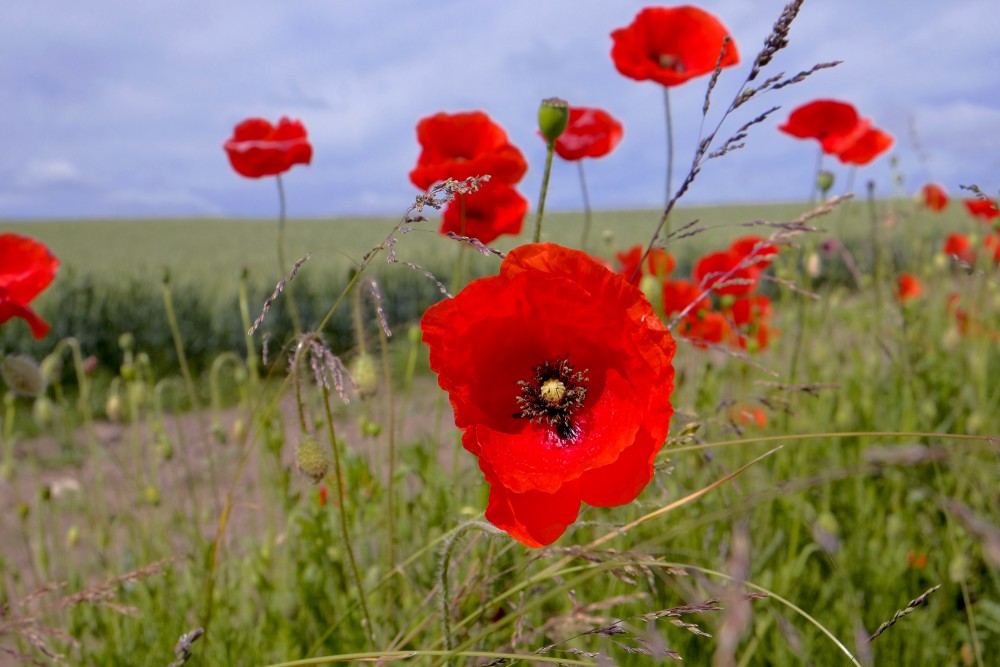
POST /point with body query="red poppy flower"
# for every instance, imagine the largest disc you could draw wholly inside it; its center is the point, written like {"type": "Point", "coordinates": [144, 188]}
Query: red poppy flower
{"type": "Point", "coordinates": [258, 148]}
{"type": "Point", "coordinates": [833, 123]}
{"type": "Point", "coordinates": [958, 245]}
{"type": "Point", "coordinates": [670, 45]}
{"type": "Point", "coordinates": [704, 328]}
{"type": "Point", "coordinates": [868, 146]}
{"type": "Point", "coordinates": [26, 268]}
{"type": "Point", "coordinates": [984, 209]}
{"type": "Point", "coordinates": [763, 252]}
{"type": "Point", "coordinates": [496, 209]}
{"type": "Point", "coordinates": [465, 144]}
{"type": "Point", "coordinates": [908, 288]}
{"type": "Point", "coordinates": [560, 376]}
{"type": "Point", "coordinates": [679, 294]}
{"type": "Point", "coordinates": [748, 415]}
{"type": "Point", "coordinates": [934, 196]}
{"type": "Point", "coordinates": [726, 273]}
{"type": "Point", "coordinates": [659, 263]}
{"type": "Point", "coordinates": [590, 133]}
{"type": "Point", "coordinates": [993, 241]}
{"type": "Point", "coordinates": [749, 310]}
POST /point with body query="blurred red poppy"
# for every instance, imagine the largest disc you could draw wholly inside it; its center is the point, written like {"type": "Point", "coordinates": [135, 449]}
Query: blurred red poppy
{"type": "Point", "coordinates": [726, 273]}
{"type": "Point", "coordinates": [465, 144]}
{"type": "Point", "coordinates": [934, 197]}
{"type": "Point", "coordinates": [748, 310]}
{"type": "Point", "coordinates": [679, 294]}
{"type": "Point", "coordinates": [984, 209]}
{"type": "Point", "coordinates": [868, 146]}
{"type": "Point", "coordinates": [763, 252]}
{"type": "Point", "coordinates": [833, 123]}
{"type": "Point", "coordinates": [748, 415]}
{"type": "Point", "coordinates": [496, 209]}
{"type": "Point", "coordinates": [958, 245]}
{"type": "Point", "coordinates": [26, 268]}
{"type": "Point", "coordinates": [559, 375]}
{"type": "Point", "coordinates": [671, 45]}
{"type": "Point", "coordinates": [659, 263]}
{"type": "Point", "coordinates": [704, 328]}
{"type": "Point", "coordinates": [590, 133]}
{"type": "Point", "coordinates": [908, 287]}
{"type": "Point", "coordinates": [258, 148]}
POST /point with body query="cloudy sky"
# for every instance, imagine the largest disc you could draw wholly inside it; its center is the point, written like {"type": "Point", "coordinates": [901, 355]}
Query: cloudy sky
{"type": "Point", "coordinates": [120, 108]}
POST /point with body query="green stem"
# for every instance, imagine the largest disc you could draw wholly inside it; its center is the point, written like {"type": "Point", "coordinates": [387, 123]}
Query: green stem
{"type": "Point", "coordinates": [670, 152]}
{"type": "Point", "coordinates": [390, 483]}
{"type": "Point", "coordinates": [545, 188]}
{"type": "Point", "coordinates": [587, 215]}
{"type": "Point", "coordinates": [293, 309]}
{"type": "Point", "coordinates": [446, 555]}
{"type": "Point", "coordinates": [345, 533]}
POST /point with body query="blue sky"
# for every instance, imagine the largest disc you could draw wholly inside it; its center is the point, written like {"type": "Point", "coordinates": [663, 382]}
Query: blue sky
{"type": "Point", "coordinates": [120, 108]}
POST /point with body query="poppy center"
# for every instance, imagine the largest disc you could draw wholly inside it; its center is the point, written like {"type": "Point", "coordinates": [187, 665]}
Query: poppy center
{"type": "Point", "coordinates": [670, 61]}
{"type": "Point", "coordinates": [553, 394]}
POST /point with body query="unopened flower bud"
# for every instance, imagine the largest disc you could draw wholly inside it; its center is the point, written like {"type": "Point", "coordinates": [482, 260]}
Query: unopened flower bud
{"type": "Point", "coordinates": [824, 181]}
{"type": "Point", "coordinates": [22, 375]}
{"type": "Point", "coordinates": [553, 116]}
{"type": "Point", "coordinates": [365, 375]}
{"type": "Point", "coordinates": [72, 536]}
{"type": "Point", "coordinates": [310, 459]}
{"type": "Point", "coordinates": [51, 368]}
{"type": "Point", "coordinates": [813, 265]}
{"type": "Point", "coordinates": [126, 341]}
{"type": "Point", "coordinates": [43, 412]}
{"type": "Point", "coordinates": [113, 407]}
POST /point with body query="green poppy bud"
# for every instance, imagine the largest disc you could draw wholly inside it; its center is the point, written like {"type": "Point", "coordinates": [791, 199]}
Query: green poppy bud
{"type": "Point", "coordinates": [365, 375]}
{"type": "Point", "coordinates": [43, 412]}
{"type": "Point", "coordinates": [310, 459]}
{"type": "Point", "coordinates": [553, 116]}
{"type": "Point", "coordinates": [824, 181]}
{"type": "Point", "coordinates": [22, 375]}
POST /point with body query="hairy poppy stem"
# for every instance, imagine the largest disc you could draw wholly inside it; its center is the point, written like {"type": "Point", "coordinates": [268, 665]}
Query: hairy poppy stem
{"type": "Point", "coordinates": [550, 149]}
{"type": "Point", "coordinates": [587, 215]}
{"type": "Point", "coordinates": [293, 309]}
{"type": "Point", "coordinates": [670, 153]}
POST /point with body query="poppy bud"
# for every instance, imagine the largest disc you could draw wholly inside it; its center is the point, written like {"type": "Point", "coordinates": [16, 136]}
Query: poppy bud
{"type": "Point", "coordinates": [113, 407]}
{"type": "Point", "coordinates": [22, 375]}
{"type": "Point", "coordinates": [365, 375]}
{"type": "Point", "coordinates": [51, 368]}
{"type": "Point", "coordinates": [310, 460]}
{"type": "Point", "coordinates": [126, 341]}
{"type": "Point", "coordinates": [824, 181]}
{"type": "Point", "coordinates": [43, 412]}
{"type": "Point", "coordinates": [553, 116]}
{"type": "Point", "coordinates": [72, 536]}
{"type": "Point", "coordinates": [239, 430]}
{"type": "Point", "coordinates": [151, 494]}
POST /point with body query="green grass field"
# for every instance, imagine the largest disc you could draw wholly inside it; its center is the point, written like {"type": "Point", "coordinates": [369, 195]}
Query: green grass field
{"type": "Point", "coordinates": [884, 486]}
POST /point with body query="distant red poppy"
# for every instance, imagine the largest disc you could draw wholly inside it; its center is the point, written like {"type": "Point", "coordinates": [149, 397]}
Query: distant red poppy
{"type": "Point", "coordinates": [559, 375]}
{"type": "Point", "coordinates": [833, 123]}
{"type": "Point", "coordinates": [984, 209]}
{"type": "Point", "coordinates": [934, 197]}
{"type": "Point", "coordinates": [726, 272]}
{"type": "Point", "coordinates": [496, 209]}
{"type": "Point", "coordinates": [958, 245]}
{"type": "Point", "coordinates": [590, 133]}
{"type": "Point", "coordinates": [658, 263]}
{"type": "Point", "coordinates": [762, 250]}
{"type": "Point", "coordinates": [465, 144]}
{"type": "Point", "coordinates": [679, 294]}
{"type": "Point", "coordinates": [993, 241]}
{"type": "Point", "coordinates": [872, 143]}
{"type": "Point", "coordinates": [705, 328]}
{"type": "Point", "coordinates": [26, 268]}
{"type": "Point", "coordinates": [747, 310]}
{"type": "Point", "coordinates": [258, 148]}
{"type": "Point", "coordinates": [748, 415]}
{"type": "Point", "coordinates": [671, 45]}
{"type": "Point", "coordinates": [908, 287]}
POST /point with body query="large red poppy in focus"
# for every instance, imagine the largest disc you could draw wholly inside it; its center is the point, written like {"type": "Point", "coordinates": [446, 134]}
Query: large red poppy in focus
{"type": "Point", "coordinates": [589, 133]}
{"type": "Point", "coordinates": [26, 268]}
{"type": "Point", "coordinates": [461, 145]}
{"type": "Point", "coordinates": [259, 149]}
{"type": "Point", "coordinates": [496, 209]}
{"type": "Point", "coordinates": [671, 45]}
{"type": "Point", "coordinates": [560, 375]}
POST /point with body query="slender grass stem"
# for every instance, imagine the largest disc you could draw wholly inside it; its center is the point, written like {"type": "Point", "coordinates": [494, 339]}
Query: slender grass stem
{"type": "Point", "coordinates": [293, 309]}
{"type": "Point", "coordinates": [588, 216]}
{"type": "Point", "coordinates": [670, 153]}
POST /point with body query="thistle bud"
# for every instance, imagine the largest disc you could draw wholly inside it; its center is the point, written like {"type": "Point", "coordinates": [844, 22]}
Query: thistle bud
{"type": "Point", "coordinates": [22, 375]}
{"type": "Point", "coordinates": [365, 375]}
{"type": "Point", "coordinates": [310, 459]}
{"type": "Point", "coordinates": [553, 116]}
